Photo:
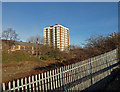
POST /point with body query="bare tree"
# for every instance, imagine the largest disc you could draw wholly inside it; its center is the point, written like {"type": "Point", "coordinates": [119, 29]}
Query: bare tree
{"type": "Point", "coordinates": [31, 39]}
{"type": "Point", "coordinates": [101, 44]}
{"type": "Point", "coordinates": [11, 35]}
{"type": "Point", "coordinates": [5, 34]}
{"type": "Point", "coordinates": [41, 40]}
{"type": "Point", "coordinates": [36, 39]}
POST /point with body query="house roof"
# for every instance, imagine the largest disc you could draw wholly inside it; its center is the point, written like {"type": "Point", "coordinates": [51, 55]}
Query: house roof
{"type": "Point", "coordinates": [23, 43]}
{"type": "Point", "coordinates": [26, 44]}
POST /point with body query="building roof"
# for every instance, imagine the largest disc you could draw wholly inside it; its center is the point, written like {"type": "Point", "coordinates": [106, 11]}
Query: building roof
{"type": "Point", "coordinates": [23, 43]}
{"type": "Point", "coordinates": [56, 25]}
{"type": "Point", "coordinates": [26, 44]}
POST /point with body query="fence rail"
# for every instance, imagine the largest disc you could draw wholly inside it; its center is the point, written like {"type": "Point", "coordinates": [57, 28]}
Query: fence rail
{"type": "Point", "coordinates": [76, 76]}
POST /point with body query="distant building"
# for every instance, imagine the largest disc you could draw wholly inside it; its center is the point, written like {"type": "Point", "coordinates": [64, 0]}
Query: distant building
{"type": "Point", "coordinates": [57, 36]}
{"type": "Point", "coordinates": [31, 48]}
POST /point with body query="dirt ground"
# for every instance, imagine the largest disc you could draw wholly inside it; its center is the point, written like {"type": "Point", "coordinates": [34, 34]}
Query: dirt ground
{"type": "Point", "coordinates": [15, 70]}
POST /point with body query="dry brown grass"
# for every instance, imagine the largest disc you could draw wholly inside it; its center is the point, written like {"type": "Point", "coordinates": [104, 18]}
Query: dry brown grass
{"type": "Point", "coordinates": [15, 70]}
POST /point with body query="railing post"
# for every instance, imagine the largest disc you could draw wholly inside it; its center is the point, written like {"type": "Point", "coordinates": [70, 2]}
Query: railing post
{"type": "Point", "coordinates": [91, 71]}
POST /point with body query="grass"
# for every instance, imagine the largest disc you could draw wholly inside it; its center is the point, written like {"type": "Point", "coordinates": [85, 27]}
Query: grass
{"type": "Point", "coordinates": [17, 56]}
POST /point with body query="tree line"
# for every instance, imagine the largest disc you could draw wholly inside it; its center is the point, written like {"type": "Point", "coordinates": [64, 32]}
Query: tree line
{"type": "Point", "coordinates": [95, 45]}
{"type": "Point", "coordinates": [11, 36]}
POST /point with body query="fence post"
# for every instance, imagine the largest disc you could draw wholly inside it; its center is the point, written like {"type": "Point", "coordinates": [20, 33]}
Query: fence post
{"type": "Point", "coordinates": [108, 66]}
{"type": "Point", "coordinates": [18, 85]}
{"type": "Point", "coordinates": [58, 77]}
{"type": "Point", "coordinates": [29, 84]}
{"type": "Point", "coordinates": [63, 79]}
{"type": "Point", "coordinates": [48, 80]}
{"type": "Point", "coordinates": [42, 81]}
{"type": "Point", "coordinates": [53, 71]}
{"type": "Point", "coordinates": [36, 79]}
{"type": "Point", "coordinates": [9, 85]}
{"type": "Point", "coordinates": [3, 86]}
{"type": "Point", "coordinates": [22, 84]}
{"type": "Point", "coordinates": [26, 84]}
{"type": "Point", "coordinates": [91, 71]}
{"type": "Point", "coordinates": [51, 88]}
{"type": "Point", "coordinates": [45, 81]}
{"type": "Point", "coordinates": [33, 86]}
{"type": "Point", "coordinates": [13, 86]}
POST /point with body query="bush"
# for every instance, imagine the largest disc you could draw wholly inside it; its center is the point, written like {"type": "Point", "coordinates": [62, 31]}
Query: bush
{"type": "Point", "coordinates": [44, 57]}
{"type": "Point", "coordinates": [58, 64]}
{"type": "Point", "coordinates": [61, 58]}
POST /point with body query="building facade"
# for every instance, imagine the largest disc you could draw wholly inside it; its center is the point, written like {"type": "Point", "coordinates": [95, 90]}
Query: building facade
{"type": "Point", "coordinates": [57, 36]}
{"type": "Point", "coordinates": [30, 48]}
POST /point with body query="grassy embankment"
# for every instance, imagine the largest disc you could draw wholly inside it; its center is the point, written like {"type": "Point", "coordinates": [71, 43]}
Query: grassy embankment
{"type": "Point", "coordinates": [17, 56]}
{"type": "Point", "coordinates": [20, 64]}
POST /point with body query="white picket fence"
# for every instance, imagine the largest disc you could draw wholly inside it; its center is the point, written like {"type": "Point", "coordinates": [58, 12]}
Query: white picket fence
{"type": "Point", "coordinates": [76, 76]}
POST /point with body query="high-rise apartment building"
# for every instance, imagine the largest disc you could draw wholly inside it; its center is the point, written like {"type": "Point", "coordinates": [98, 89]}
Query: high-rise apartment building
{"type": "Point", "coordinates": [57, 36]}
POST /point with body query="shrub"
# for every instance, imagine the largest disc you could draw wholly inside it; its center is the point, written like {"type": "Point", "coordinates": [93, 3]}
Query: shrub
{"type": "Point", "coordinates": [44, 57]}
{"type": "Point", "coordinates": [61, 58]}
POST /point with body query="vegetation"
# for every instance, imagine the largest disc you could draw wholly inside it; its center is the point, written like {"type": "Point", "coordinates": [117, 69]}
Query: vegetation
{"type": "Point", "coordinates": [36, 39]}
{"type": "Point", "coordinates": [17, 56]}
{"type": "Point", "coordinates": [10, 35]}
{"type": "Point", "coordinates": [101, 44]}
{"type": "Point", "coordinates": [51, 58]}
{"type": "Point", "coordinates": [95, 45]}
